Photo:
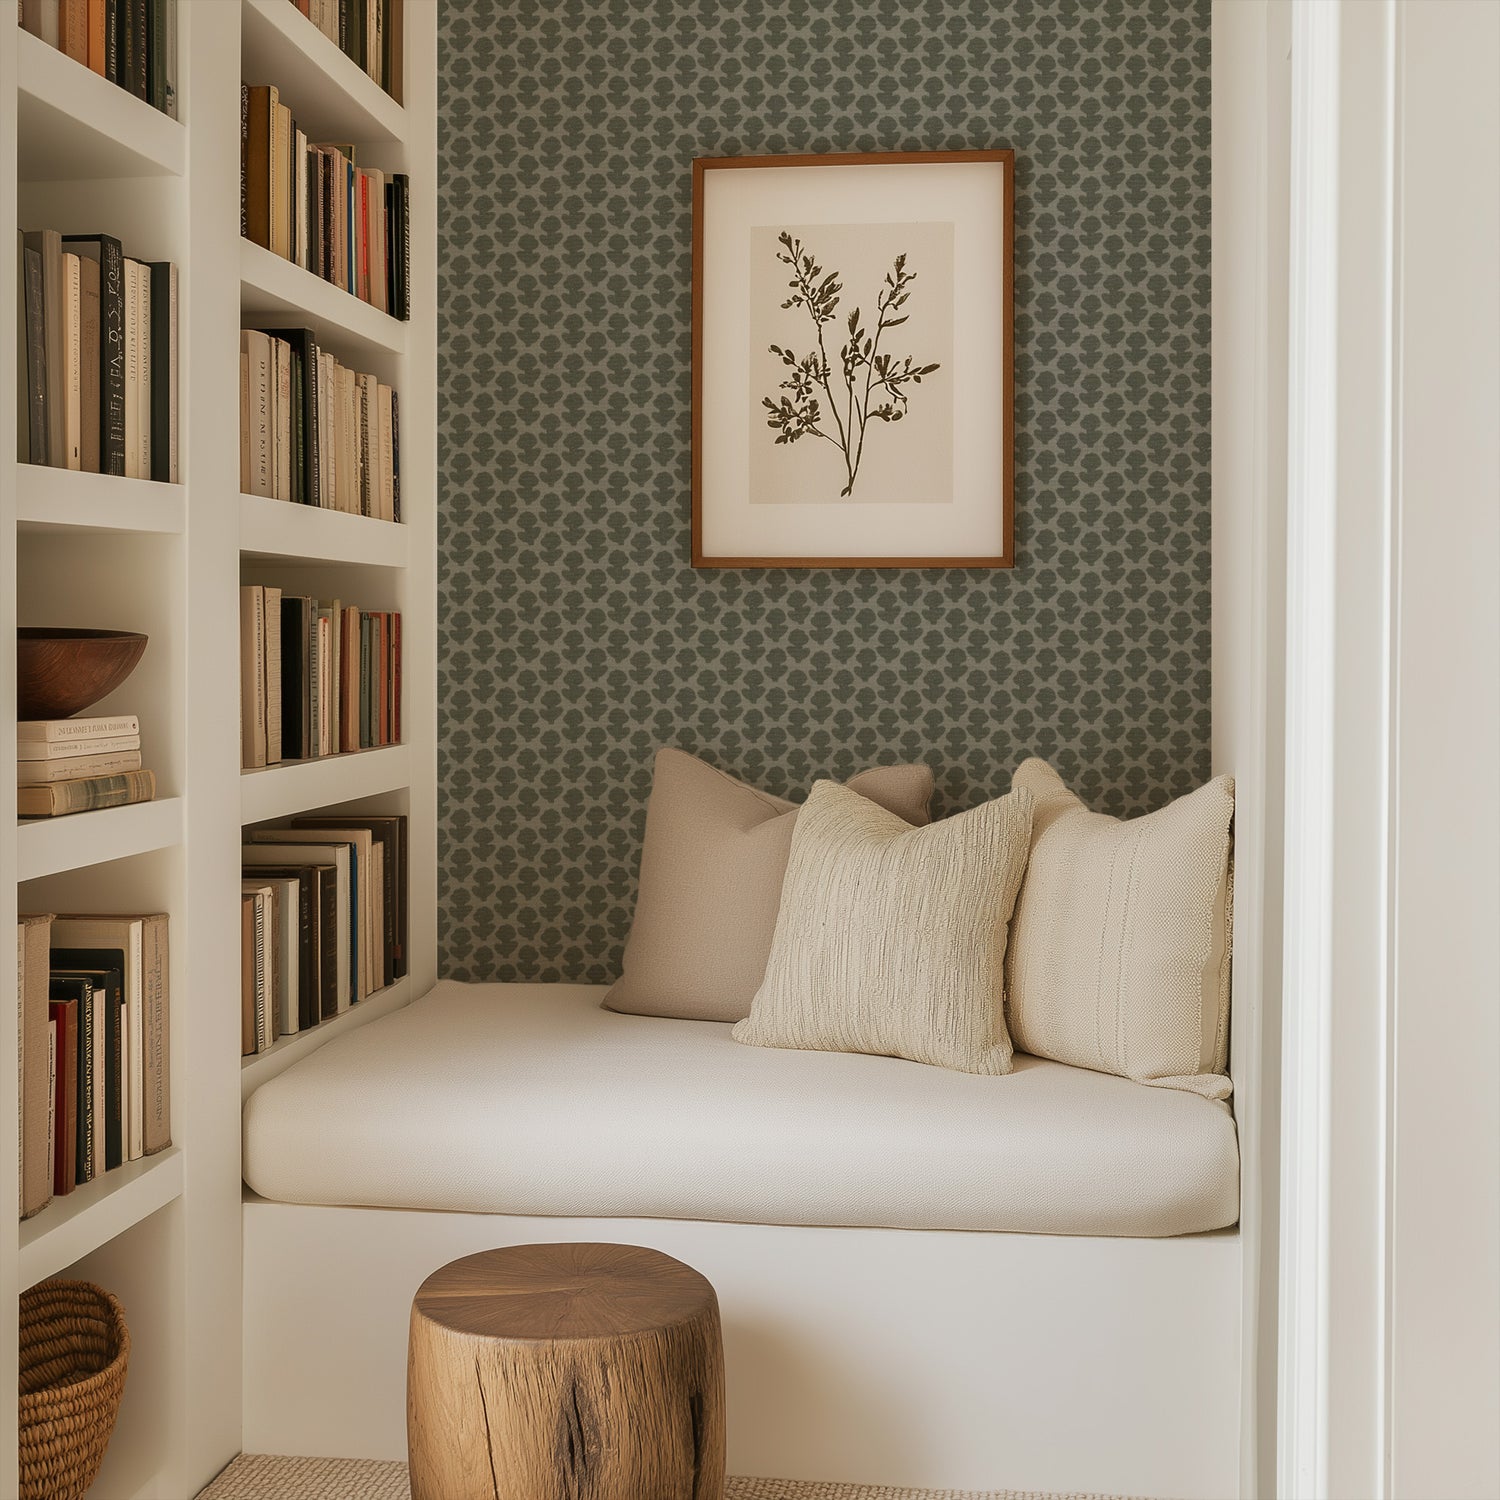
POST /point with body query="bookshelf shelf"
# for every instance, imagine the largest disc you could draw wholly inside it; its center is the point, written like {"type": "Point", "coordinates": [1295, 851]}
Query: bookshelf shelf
{"type": "Point", "coordinates": [74, 125]}
{"type": "Point", "coordinates": [49, 846]}
{"type": "Point", "coordinates": [299, 786]}
{"type": "Point", "coordinates": [256, 1070]}
{"type": "Point", "coordinates": [92, 1215]}
{"type": "Point", "coordinates": [63, 499]}
{"type": "Point", "coordinates": [331, 96]}
{"type": "Point", "coordinates": [279, 529]}
{"type": "Point", "coordinates": [273, 287]}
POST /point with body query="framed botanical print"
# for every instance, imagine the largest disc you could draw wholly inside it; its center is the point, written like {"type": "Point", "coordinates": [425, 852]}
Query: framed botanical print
{"type": "Point", "coordinates": [852, 360]}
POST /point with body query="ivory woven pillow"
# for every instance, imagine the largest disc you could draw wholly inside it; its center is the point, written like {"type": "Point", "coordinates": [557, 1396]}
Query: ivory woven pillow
{"type": "Point", "coordinates": [891, 939]}
{"type": "Point", "coordinates": [1119, 951]}
{"type": "Point", "coordinates": [711, 868]}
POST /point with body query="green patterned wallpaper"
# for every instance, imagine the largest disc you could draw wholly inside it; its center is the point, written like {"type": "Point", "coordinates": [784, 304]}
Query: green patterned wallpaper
{"type": "Point", "coordinates": [575, 638]}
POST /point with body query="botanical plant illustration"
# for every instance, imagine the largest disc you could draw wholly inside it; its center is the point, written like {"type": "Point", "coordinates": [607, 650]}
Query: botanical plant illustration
{"type": "Point", "coordinates": [873, 384]}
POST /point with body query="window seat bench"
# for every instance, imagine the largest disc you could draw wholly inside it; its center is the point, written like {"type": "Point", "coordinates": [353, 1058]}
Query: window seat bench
{"type": "Point", "coordinates": [926, 1278]}
{"type": "Point", "coordinates": [531, 1099]}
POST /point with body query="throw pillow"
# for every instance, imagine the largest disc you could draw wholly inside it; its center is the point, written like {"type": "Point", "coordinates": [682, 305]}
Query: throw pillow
{"type": "Point", "coordinates": [1119, 953]}
{"type": "Point", "coordinates": [891, 939]}
{"type": "Point", "coordinates": [711, 868]}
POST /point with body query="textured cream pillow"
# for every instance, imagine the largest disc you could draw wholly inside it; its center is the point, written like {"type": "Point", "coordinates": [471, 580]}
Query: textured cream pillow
{"type": "Point", "coordinates": [1119, 951]}
{"type": "Point", "coordinates": [711, 868]}
{"type": "Point", "coordinates": [891, 939]}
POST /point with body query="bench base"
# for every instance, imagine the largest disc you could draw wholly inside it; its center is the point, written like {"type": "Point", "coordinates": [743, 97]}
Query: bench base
{"type": "Point", "coordinates": [900, 1357]}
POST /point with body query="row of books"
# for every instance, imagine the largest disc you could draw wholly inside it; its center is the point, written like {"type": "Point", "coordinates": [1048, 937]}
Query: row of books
{"type": "Point", "coordinates": [94, 1065]}
{"type": "Point", "coordinates": [315, 206]}
{"type": "Point", "coordinates": [323, 920]}
{"type": "Point", "coordinates": [132, 43]}
{"type": "Point", "coordinates": [314, 431]}
{"type": "Point", "coordinates": [315, 679]}
{"type": "Point", "coordinates": [97, 351]}
{"type": "Point", "coordinates": [79, 765]}
{"type": "Point", "coordinates": [372, 32]}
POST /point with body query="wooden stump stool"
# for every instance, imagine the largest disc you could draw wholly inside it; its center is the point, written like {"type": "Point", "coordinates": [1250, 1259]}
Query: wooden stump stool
{"type": "Point", "coordinates": [565, 1372]}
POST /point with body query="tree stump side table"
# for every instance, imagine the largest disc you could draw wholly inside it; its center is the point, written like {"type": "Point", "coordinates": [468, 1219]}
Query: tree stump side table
{"type": "Point", "coordinates": [565, 1372]}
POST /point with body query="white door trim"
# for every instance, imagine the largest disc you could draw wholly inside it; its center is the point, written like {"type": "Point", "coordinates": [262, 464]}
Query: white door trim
{"type": "Point", "coordinates": [1336, 982]}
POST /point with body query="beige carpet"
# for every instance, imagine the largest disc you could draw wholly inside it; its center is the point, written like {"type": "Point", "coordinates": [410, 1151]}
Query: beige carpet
{"type": "Point", "coordinates": [262, 1476]}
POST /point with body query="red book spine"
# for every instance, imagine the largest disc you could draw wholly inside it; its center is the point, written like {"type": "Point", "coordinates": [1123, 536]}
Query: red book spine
{"type": "Point", "coordinates": [65, 1128]}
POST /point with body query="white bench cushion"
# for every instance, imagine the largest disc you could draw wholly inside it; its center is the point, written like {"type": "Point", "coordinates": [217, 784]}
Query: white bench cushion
{"type": "Point", "coordinates": [531, 1099]}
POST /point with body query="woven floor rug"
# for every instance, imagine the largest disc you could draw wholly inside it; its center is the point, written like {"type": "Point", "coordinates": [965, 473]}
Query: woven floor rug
{"type": "Point", "coordinates": [262, 1476]}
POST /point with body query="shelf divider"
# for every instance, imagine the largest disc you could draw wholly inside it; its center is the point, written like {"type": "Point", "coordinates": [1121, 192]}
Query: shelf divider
{"type": "Point", "coordinates": [49, 499]}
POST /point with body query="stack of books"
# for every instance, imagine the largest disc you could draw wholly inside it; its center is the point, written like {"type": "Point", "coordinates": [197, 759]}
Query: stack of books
{"type": "Point", "coordinates": [371, 32]}
{"type": "Point", "coordinates": [317, 207]}
{"type": "Point", "coordinates": [95, 1087]}
{"type": "Point", "coordinates": [97, 383]}
{"type": "Point", "coordinates": [79, 765]}
{"type": "Point", "coordinates": [315, 679]}
{"type": "Point", "coordinates": [314, 431]}
{"type": "Point", "coordinates": [132, 43]}
{"type": "Point", "coordinates": [323, 920]}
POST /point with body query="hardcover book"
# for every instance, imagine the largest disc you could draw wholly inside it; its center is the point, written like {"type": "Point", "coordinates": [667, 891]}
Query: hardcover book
{"type": "Point", "coordinates": [106, 252]}
{"type": "Point", "coordinates": [87, 795]}
{"type": "Point", "coordinates": [33, 938]}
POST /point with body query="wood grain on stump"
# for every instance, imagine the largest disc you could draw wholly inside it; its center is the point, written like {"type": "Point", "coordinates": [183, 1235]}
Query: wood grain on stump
{"type": "Point", "coordinates": [566, 1372]}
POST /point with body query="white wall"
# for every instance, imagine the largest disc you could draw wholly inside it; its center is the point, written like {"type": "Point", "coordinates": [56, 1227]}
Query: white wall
{"type": "Point", "coordinates": [1443, 1254]}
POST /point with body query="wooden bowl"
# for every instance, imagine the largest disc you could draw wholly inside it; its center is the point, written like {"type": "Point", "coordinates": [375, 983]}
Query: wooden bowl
{"type": "Point", "coordinates": [61, 672]}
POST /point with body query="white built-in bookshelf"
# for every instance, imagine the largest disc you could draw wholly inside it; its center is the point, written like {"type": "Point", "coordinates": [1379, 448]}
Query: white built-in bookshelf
{"type": "Point", "coordinates": [163, 1233]}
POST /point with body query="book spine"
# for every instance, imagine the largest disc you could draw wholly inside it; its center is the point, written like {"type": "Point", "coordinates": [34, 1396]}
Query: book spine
{"type": "Point", "coordinates": [65, 1149]}
{"type": "Point", "coordinates": [143, 460]}
{"type": "Point", "coordinates": [244, 161]}
{"type": "Point", "coordinates": [329, 947]}
{"type": "Point", "coordinates": [36, 360]}
{"type": "Point", "coordinates": [405, 243]}
{"type": "Point", "coordinates": [395, 64]}
{"type": "Point", "coordinates": [271, 681]}
{"type": "Point", "coordinates": [395, 456]}
{"type": "Point", "coordinates": [112, 40]}
{"type": "Point", "coordinates": [111, 356]}
{"type": "Point", "coordinates": [132, 370]}
{"type": "Point", "coordinates": [84, 1167]}
{"type": "Point", "coordinates": [252, 676]}
{"type": "Point", "coordinates": [54, 731]}
{"type": "Point", "coordinates": [156, 1124]}
{"type": "Point", "coordinates": [140, 27]}
{"type": "Point", "coordinates": [39, 772]}
{"type": "Point", "coordinates": [91, 364]}
{"type": "Point", "coordinates": [262, 1009]}
{"type": "Point", "coordinates": [313, 373]}
{"type": "Point", "coordinates": [73, 29]}
{"type": "Point", "coordinates": [244, 423]}
{"type": "Point", "coordinates": [114, 1081]}
{"type": "Point", "coordinates": [156, 54]}
{"type": "Point", "coordinates": [73, 347]}
{"type": "Point", "coordinates": [53, 316]}
{"type": "Point", "coordinates": [163, 371]}
{"type": "Point", "coordinates": [169, 59]}
{"type": "Point", "coordinates": [23, 362]}
{"type": "Point", "coordinates": [86, 795]}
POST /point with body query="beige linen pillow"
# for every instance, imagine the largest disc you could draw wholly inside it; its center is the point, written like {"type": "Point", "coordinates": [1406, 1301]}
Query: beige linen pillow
{"type": "Point", "coordinates": [1119, 951]}
{"type": "Point", "coordinates": [711, 868]}
{"type": "Point", "coordinates": [891, 939]}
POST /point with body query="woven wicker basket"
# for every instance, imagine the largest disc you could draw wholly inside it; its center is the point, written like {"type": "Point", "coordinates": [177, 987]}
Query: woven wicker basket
{"type": "Point", "coordinates": [74, 1346]}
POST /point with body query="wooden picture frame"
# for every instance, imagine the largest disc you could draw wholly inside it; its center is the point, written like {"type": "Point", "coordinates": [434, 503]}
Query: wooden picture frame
{"type": "Point", "coordinates": [782, 467]}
